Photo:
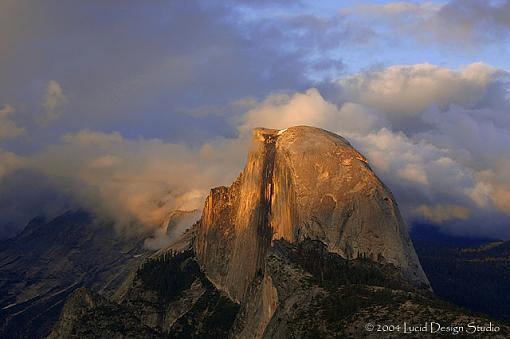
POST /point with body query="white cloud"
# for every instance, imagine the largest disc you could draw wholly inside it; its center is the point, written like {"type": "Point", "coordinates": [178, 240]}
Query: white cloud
{"type": "Point", "coordinates": [279, 111]}
{"type": "Point", "coordinates": [9, 162]}
{"type": "Point", "coordinates": [8, 128]}
{"type": "Point", "coordinates": [158, 240]}
{"type": "Point", "coordinates": [417, 166]}
{"type": "Point", "coordinates": [53, 101]}
{"type": "Point", "coordinates": [173, 226]}
{"type": "Point", "coordinates": [403, 92]}
{"type": "Point", "coordinates": [310, 108]}
{"type": "Point", "coordinates": [139, 180]}
{"type": "Point", "coordinates": [436, 136]}
{"type": "Point", "coordinates": [441, 213]}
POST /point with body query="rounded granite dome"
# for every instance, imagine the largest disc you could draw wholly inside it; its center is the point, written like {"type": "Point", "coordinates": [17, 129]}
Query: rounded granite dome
{"type": "Point", "coordinates": [302, 183]}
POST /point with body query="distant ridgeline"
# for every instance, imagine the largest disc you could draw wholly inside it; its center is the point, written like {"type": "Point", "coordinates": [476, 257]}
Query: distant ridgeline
{"type": "Point", "coordinates": [471, 272]}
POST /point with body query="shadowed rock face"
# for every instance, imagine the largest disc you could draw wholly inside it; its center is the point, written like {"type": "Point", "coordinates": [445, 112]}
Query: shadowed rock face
{"type": "Point", "coordinates": [300, 183]}
{"type": "Point", "coordinates": [50, 259]}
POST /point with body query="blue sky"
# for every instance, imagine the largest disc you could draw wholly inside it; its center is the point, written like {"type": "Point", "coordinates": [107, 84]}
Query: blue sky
{"type": "Point", "coordinates": [99, 99]}
{"type": "Point", "coordinates": [398, 48]}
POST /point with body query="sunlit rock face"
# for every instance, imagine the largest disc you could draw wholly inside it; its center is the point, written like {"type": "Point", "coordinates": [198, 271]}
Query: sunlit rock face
{"type": "Point", "coordinates": [300, 183]}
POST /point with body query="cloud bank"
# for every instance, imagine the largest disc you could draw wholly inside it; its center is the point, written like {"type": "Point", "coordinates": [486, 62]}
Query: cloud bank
{"type": "Point", "coordinates": [437, 137]}
{"type": "Point", "coordinates": [134, 110]}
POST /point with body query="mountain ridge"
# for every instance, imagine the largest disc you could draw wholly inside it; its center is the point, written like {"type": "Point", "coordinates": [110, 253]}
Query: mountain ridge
{"type": "Point", "coordinates": [49, 259]}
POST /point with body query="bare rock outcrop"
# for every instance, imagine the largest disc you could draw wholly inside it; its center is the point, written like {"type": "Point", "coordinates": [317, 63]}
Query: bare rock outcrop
{"type": "Point", "coordinates": [300, 183]}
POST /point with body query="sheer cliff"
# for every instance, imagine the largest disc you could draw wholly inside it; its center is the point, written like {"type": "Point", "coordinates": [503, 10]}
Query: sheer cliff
{"type": "Point", "coordinates": [300, 183]}
{"type": "Point", "coordinates": [305, 292]}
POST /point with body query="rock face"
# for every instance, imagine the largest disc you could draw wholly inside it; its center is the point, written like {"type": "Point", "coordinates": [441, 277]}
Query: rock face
{"type": "Point", "coordinates": [306, 243]}
{"type": "Point", "coordinates": [50, 259]}
{"type": "Point", "coordinates": [169, 297]}
{"type": "Point", "coordinates": [300, 183]}
{"type": "Point", "coordinates": [305, 292]}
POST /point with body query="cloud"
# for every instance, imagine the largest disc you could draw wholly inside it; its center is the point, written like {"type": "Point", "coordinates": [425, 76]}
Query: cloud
{"type": "Point", "coordinates": [137, 180]}
{"type": "Point", "coordinates": [415, 168]}
{"type": "Point", "coordinates": [437, 137]}
{"type": "Point", "coordinates": [444, 129]}
{"type": "Point", "coordinates": [159, 117]}
{"type": "Point", "coordinates": [158, 240]}
{"type": "Point", "coordinates": [25, 194]}
{"type": "Point", "coordinates": [308, 108]}
{"type": "Point", "coordinates": [471, 21]}
{"type": "Point", "coordinates": [9, 162]}
{"type": "Point", "coordinates": [404, 163]}
{"type": "Point", "coordinates": [124, 69]}
{"type": "Point", "coordinates": [8, 128]}
{"type": "Point", "coordinates": [403, 92]}
{"type": "Point", "coordinates": [320, 32]}
{"type": "Point", "coordinates": [134, 182]}
{"type": "Point", "coordinates": [172, 228]}
{"type": "Point", "coordinates": [393, 9]}
{"type": "Point", "coordinates": [53, 101]}
{"type": "Point", "coordinates": [461, 23]}
{"type": "Point", "coordinates": [441, 213]}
